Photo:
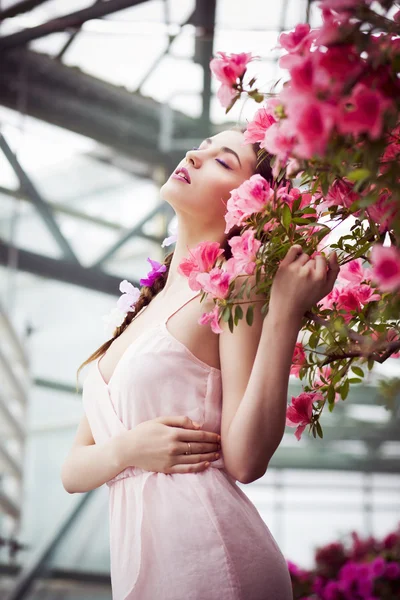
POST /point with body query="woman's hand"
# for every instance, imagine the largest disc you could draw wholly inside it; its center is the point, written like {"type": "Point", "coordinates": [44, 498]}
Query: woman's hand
{"type": "Point", "coordinates": [300, 281]}
{"type": "Point", "coordinates": [160, 444]}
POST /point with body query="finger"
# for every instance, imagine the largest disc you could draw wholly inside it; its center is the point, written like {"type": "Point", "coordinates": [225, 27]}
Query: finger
{"type": "Point", "coordinates": [302, 259]}
{"type": "Point", "coordinates": [197, 448]}
{"type": "Point", "coordinates": [197, 436]}
{"type": "Point", "coordinates": [191, 459]}
{"type": "Point", "coordinates": [321, 267]}
{"type": "Point", "coordinates": [189, 468]}
{"type": "Point", "coordinates": [292, 254]}
{"type": "Point", "coordinates": [334, 268]}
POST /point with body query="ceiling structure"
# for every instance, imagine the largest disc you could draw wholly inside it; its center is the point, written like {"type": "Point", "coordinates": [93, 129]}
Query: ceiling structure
{"type": "Point", "coordinates": [84, 120]}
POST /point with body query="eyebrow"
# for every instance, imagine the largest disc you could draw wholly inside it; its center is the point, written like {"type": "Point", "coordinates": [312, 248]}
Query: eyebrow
{"type": "Point", "coordinates": [226, 149]}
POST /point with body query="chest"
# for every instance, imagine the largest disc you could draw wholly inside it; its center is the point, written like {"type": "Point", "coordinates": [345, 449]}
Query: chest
{"type": "Point", "coordinates": [180, 323]}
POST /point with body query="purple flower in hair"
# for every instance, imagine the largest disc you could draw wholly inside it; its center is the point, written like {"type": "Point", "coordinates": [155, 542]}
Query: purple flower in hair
{"type": "Point", "coordinates": [156, 271]}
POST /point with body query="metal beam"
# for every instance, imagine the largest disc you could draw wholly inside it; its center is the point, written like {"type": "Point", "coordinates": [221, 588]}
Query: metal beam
{"type": "Point", "coordinates": [39, 559]}
{"type": "Point", "coordinates": [66, 97]}
{"type": "Point", "coordinates": [20, 7]}
{"type": "Point", "coordinates": [204, 21]}
{"type": "Point", "coordinates": [71, 21]}
{"type": "Point", "coordinates": [8, 506]}
{"type": "Point", "coordinates": [42, 207]}
{"type": "Point", "coordinates": [137, 229]}
{"type": "Point", "coordinates": [65, 271]}
{"type": "Point", "coordinates": [12, 379]}
{"type": "Point", "coordinates": [71, 212]}
{"type": "Point", "coordinates": [314, 459]}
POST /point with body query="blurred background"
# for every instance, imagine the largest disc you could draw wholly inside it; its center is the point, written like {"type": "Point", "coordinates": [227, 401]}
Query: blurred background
{"type": "Point", "coordinates": [99, 101]}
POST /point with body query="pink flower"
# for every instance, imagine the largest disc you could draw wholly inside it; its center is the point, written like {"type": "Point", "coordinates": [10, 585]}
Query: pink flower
{"type": "Point", "coordinates": [340, 194]}
{"type": "Point", "coordinates": [362, 112]}
{"type": "Point", "coordinates": [244, 251]}
{"type": "Point", "coordinates": [367, 294]}
{"type": "Point", "coordinates": [279, 140]}
{"type": "Point", "coordinates": [295, 41]}
{"type": "Point", "coordinates": [392, 568]}
{"type": "Point", "coordinates": [383, 212]}
{"type": "Point", "coordinates": [354, 272]}
{"type": "Point", "coordinates": [299, 359]}
{"type": "Point", "coordinates": [386, 267]}
{"type": "Point", "coordinates": [157, 270]}
{"type": "Point", "coordinates": [249, 198]}
{"type": "Point", "coordinates": [201, 259]}
{"type": "Point", "coordinates": [228, 68]}
{"type": "Point", "coordinates": [312, 123]}
{"type": "Point", "coordinates": [212, 318]}
{"type": "Point", "coordinates": [345, 298]}
{"type": "Point", "coordinates": [216, 282]}
{"type": "Point", "coordinates": [299, 413]}
{"type": "Point", "coordinates": [263, 119]}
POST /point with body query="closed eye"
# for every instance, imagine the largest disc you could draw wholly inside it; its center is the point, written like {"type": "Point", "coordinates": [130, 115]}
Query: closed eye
{"type": "Point", "coordinates": [221, 162]}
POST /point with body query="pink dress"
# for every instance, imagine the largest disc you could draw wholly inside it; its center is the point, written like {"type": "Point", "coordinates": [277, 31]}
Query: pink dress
{"type": "Point", "coordinates": [186, 536]}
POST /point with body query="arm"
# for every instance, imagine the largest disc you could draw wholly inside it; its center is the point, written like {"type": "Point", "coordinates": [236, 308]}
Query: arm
{"type": "Point", "coordinates": [89, 465]}
{"type": "Point", "coordinates": [254, 417]}
{"type": "Point", "coordinates": [256, 360]}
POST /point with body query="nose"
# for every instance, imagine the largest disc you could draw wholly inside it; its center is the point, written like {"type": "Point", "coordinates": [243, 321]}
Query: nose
{"type": "Point", "coordinates": [193, 158]}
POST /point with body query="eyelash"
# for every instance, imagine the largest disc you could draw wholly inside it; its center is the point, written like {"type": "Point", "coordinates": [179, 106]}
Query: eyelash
{"type": "Point", "coordinates": [221, 162]}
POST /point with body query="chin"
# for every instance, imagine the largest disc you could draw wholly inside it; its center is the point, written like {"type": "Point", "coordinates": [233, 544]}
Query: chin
{"type": "Point", "coordinates": [169, 192]}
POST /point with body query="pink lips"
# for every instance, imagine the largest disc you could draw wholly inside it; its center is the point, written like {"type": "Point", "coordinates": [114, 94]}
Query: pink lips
{"type": "Point", "coordinates": [182, 173]}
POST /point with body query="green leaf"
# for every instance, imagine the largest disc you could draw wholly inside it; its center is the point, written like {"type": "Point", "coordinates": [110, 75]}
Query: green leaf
{"type": "Point", "coordinates": [286, 216]}
{"type": "Point", "coordinates": [355, 380]}
{"type": "Point", "coordinates": [358, 174]}
{"type": "Point", "coordinates": [331, 394]}
{"type": "Point", "coordinates": [226, 314]}
{"type": "Point", "coordinates": [344, 389]}
{"type": "Point", "coordinates": [358, 371]}
{"type": "Point", "coordinates": [319, 429]}
{"type": "Point", "coordinates": [250, 315]}
{"type": "Point", "coordinates": [238, 311]}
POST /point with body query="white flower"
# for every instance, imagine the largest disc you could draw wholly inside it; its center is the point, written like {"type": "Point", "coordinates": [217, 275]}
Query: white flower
{"type": "Point", "coordinates": [114, 319]}
{"type": "Point", "coordinates": [173, 233]}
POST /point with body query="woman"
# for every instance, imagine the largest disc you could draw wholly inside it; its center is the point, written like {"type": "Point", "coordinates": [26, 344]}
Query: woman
{"type": "Point", "coordinates": [196, 537]}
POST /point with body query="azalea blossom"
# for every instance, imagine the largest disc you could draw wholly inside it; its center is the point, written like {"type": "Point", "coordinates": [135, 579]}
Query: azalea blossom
{"type": "Point", "coordinates": [211, 318]}
{"type": "Point", "coordinates": [201, 259]}
{"type": "Point", "coordinates": [250, 197]}
{"type": "Point", "coordinates": [386, 267]}
{"type": "Point", "coordinates": [216, 282]}
{"type": "Point", "coordinates": [299, 413]}
{"type": "Point", "coordinates": [299, 359]}
{"type": "Point", "coordinates": [228, 68]}
{"type": "Point", "coordinates": [244, 251]}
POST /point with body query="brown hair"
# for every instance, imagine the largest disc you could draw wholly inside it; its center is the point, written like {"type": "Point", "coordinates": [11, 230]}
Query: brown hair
{"type": "Point", "coordinates": [263, 167]}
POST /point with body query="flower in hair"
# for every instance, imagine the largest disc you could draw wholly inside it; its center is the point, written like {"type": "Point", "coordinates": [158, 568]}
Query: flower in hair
{"type": "Point", "coordinates": [130, 295]}
{"type": "Point", "coordinates": [157, 270]}
{"type": "Point", "coordinates": [169, 240]}
{"type": "Point", "coordinates": [126, 303]}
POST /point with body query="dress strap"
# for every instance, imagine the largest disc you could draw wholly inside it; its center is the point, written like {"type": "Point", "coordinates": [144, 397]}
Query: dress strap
{"type": "Point", "coordinates": [181, 306]}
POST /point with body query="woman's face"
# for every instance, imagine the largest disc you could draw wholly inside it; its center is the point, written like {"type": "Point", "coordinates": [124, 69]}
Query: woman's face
{"type": "Point", "coordinates": [218, 166]}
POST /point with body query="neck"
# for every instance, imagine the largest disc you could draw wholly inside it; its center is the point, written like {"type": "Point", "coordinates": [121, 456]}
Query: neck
{"type": "Point", "coordinates": [189, 235]}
